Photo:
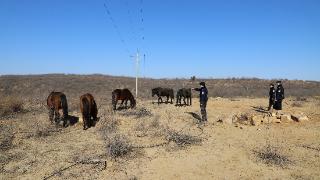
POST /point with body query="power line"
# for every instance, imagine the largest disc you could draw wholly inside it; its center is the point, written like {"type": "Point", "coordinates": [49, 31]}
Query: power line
{"type": "Point", "coordinates": [115, 26]}
{"type": "Point", "coordinates": [132, 28]}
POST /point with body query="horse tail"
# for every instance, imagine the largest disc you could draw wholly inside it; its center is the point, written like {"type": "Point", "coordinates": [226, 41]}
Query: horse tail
{"type": "Point", "coordinates": [94, 110]}
{"type": "Point", "coordinates": [64, 104]}
{"type": "Point", "coordinates": [85, 109]}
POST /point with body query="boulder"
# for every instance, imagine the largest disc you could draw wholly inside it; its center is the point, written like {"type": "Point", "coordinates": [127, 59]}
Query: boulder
{"type": "Point", "coordinates": [299, 117]}
{"type": "Point", "coordinates": [228, 120]}
{"type": "Point", "coordinates": [286, 118]}
{"type": "Point", "coordinates": [276, 120]}
{"type": "Point", "coordinates": [256, 120]}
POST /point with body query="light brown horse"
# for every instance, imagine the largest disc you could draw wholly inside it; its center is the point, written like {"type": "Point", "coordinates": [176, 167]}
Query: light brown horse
{"type": "Point", "coordinates": [89, 110]}
{"type": "Point", "coordinates": [124, 95]}
{"type": "Point", "coordinates": [55, 102]}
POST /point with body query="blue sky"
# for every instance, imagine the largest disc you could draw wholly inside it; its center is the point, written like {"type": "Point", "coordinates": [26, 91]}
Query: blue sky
{"type": "Point", "coordinates": [180, 38]}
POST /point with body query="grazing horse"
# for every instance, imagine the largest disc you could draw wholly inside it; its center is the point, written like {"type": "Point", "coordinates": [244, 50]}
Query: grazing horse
{"type": "Point", "coordinates": [160, 92]}
{"type": "Point", "coordinates": [185, 93]}
{"type": "Point", "coordinates": [55, 102]}
{"type": "Point", "coordinates": [124, 95]}
{"type": "Point", "coordinates": [89, 110]}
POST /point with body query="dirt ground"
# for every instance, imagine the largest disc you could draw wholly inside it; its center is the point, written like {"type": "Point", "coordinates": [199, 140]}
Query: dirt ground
{"type": "Point", "coordinates": [32, 148]}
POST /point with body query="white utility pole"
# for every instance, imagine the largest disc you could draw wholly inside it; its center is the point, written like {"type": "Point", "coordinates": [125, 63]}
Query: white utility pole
{"type": "Point", "coordinates": [137, 70]}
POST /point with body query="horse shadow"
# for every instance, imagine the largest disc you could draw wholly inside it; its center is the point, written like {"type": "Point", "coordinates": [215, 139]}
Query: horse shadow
{"type": "Point", "coordinates": [260, 109]}
{"type": "Point", "coordinates": [195, 116]}
{"type": "Point", "coordinates": [72, 120]}
{"type": "Point", "coordinates": [120, 108]}
{"type": "Point", "coordinates": [164, 102]}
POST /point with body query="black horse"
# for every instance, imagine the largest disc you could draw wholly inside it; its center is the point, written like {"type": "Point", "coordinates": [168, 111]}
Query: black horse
{"type": "Point", "coordinates": [163, 92]}
{"type": "Point", "coordinates": [184, 93]}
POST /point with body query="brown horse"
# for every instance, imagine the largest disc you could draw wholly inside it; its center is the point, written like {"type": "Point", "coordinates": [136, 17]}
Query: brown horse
{"type": "Point", "coordinates": [124, 95]}
{"type": "Point", "coordinates": [89, 110]}
{"type": "Point", "coordinates": [55, 102]}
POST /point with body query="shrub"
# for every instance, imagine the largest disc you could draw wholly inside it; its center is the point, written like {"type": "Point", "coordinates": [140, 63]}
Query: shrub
{"type": "Point", "coordinates": [181, 139]}
{"type": "Point", "coordinates": [10, 105]}
{"type": "Point", "coordinates": [271, 156]}
{"type": "Point", "coordinates": [119, 146]}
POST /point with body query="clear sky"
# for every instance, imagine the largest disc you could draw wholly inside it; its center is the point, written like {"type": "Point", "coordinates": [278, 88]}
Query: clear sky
{"type": "Point", "coordinates": [180, 38]}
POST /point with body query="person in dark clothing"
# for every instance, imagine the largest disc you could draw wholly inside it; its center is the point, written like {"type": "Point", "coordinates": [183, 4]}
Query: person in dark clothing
{"type": "Point", "coordinates": [203, 100]}
{"type": "Point", "coordinates": [272, 94]}
{"type": "Point", "coordinates": [279, 97]}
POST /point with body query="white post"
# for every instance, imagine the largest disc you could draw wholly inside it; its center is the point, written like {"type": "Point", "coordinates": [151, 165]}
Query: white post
{"type": "Point", "coordinates": [137, 72]}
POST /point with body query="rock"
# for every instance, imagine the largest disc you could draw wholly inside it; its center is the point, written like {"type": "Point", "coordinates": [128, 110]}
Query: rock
{"type": "Point", "coordinates": [286, 118]}
{"type": "Point", "coordinates": [268, 120]}
{"type": "Point", "coordinates": [228, 120]}
{"type": "Point", "coordinates": [256, 120]}
{"type": "Point", "coordinates": [276, 120]}
{"type": "Point", "coordinates": [299, 117]}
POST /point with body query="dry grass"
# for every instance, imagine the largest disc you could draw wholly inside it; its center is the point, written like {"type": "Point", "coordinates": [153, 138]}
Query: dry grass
{"type": "Point", "coordinates": [297, 104]}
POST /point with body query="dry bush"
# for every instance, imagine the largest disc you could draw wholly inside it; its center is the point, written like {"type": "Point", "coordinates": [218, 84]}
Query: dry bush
{"type": "Point", "coordinates": [10, 105]}
{"type": "Point", "coordinates": [155, 122]}
{"type": "Point", "coordinates": [271, 155]}
{"type": "Point", "coordinates": [138, 113]}
{"type": "Point", "coordinates": [181, 139]}
{"type": "Point", "coordinates": [119, 146]}
{"type": "Point", "coordinates": [102, 85]}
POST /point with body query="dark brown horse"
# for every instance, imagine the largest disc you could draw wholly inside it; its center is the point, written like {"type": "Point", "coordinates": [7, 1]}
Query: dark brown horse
{"type": "Point", "coordinates": [89, 110]}
{"type": "Point", "coordinates": [55, 102]}
{"type": "Point", "coordinates": [124, 95]}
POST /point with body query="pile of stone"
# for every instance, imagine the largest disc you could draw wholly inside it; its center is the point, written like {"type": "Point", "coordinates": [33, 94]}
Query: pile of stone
{"type": "Point", "coordinates": [258, 119]}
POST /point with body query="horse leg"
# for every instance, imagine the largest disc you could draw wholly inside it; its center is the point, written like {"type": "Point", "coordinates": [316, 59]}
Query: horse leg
{"type": "Point", "coordinates": [51, 114]}
{"type": "Point", "coordinates": [190, 101]}
{"type": "Point", "coordinates": [184, 100]}
{"type": "Point", "coordinates": [57, 116]}
{"type": "Point", "coordinates": [85, 123]}
{"type": "Point", "coordinates": [115, 105]}
{"type": "Point", "coordinates": [126, 103]}
{"type": "Point", "coordinates": [167, 100]}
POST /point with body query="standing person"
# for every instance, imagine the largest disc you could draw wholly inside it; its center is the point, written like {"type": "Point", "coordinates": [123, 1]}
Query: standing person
{"type": "Point", "coordinates": [272, 94]}
{"type": "Point", "coordinates": [203, 100]}
{"type": "Point", "coordinates": [279, 97]}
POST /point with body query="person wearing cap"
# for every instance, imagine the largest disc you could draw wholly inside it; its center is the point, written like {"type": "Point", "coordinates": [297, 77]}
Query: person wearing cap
{"type": "Point", "coordinates": [279, 96]}
{"type": "Point", "coordinates": [272, 93]}
{"type": "Point", "coordinates": [203, 99]}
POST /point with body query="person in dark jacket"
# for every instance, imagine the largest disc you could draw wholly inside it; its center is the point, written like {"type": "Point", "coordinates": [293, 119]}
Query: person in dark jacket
{"type": "Point", "coordinates": [203, 100]}
{"type": "Point", "coordinates": [272, 94]}
{"type": "Point", "coordinates": [279, 97]}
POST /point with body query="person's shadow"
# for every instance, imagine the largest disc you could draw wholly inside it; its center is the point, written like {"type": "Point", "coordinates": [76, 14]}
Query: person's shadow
{"type": "Point", "coordinates": [195, 116]}
{"type": "Point", "coordinates": [260, 109]}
